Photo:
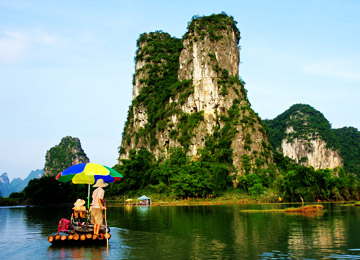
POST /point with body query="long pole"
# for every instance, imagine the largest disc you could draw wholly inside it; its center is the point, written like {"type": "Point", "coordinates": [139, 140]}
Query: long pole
{"type": "Point", "coordinates": [106, 228]}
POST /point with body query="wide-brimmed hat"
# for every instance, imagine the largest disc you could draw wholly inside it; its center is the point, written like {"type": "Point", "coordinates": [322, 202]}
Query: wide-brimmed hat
{"type": "Point", "coordinates": [79, 202]}
{"type": "Point", "coordinates": [100, 183]}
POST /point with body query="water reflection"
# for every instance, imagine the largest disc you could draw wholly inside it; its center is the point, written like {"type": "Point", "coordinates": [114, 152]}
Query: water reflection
{"type": "Point", "coordinates": [305, 236]}
{"type": "Point", "coordinates": [191, 232]}
{"type": "Point", "coordinates": [223, 232]}
{"type": "Point", "coordinates": [46, 219]}
{"type": "Point", "coordinates": [143, 210]}
{"type": "Point", "coordinates": [77, 252]}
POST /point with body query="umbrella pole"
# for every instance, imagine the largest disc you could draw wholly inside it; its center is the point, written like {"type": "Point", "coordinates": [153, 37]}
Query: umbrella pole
{"type": "Point", "coordinates": [88, 197]}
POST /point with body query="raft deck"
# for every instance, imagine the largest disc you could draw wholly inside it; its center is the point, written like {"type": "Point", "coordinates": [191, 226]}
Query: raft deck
{"type": "Point", "coordinates": [80, 234]}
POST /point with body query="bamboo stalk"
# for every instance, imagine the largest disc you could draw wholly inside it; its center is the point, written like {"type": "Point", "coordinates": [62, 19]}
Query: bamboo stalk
{"type": "Point", "coordinates": [51, 239]}
{"type": "Point", "coordinates": [101, 236]}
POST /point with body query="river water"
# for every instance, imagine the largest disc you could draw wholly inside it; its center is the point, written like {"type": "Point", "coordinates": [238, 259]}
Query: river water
{"type": "Point", "coordinates": [190, 232]}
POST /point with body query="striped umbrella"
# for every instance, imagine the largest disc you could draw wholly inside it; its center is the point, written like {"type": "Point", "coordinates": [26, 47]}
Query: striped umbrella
{"type": "Point", "coordinates": [88, 173]}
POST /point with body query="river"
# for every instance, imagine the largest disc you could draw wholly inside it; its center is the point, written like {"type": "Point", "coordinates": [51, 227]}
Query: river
{"type": "Point", "coordinates": [190, 232]}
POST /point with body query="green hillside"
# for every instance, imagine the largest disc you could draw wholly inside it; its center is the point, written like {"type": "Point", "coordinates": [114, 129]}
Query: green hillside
{"type": "Point", "coordinates": [308, 123]}
{"type": "Point", "coordinates": [349, 144]}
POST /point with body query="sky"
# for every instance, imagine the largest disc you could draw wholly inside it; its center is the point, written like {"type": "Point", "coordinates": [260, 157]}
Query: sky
{"type": "Point", "coordinates": [66, 66]}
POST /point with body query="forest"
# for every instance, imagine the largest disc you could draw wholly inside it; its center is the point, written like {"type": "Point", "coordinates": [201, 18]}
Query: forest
{"type": "Point", "coordinates": [180, 177]}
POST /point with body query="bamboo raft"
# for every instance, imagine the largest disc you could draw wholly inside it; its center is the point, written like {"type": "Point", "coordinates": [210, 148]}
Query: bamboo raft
{"type": "Point", "coordinates": [303, 209]}
{"type": "Point", "coordinates": [80, 234]}
{"type": "Point", "coordinates": [79, 230]}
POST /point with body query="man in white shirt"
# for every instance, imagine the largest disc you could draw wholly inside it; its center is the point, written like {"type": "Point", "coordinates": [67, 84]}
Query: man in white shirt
{"type": "Point", "coordinates": [97, 206]}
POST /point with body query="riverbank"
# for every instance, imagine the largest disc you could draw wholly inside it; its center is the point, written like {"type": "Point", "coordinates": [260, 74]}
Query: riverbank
{"type": "Point", "coordinates": [13, 202]}
{"type": "Point", "coordinates": [223, 199]}
{"type": "Point", "coordinates": [226, 198]}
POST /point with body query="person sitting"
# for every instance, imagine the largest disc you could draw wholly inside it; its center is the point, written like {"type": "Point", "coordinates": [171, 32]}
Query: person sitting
{"type": "Point", "coordinates": [79, 208]}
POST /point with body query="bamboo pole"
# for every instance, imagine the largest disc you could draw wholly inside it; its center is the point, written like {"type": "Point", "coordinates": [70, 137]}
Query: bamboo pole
{"type": "Point", "coordinates": [101, 236]}
{"type": "Point", "coordinates": [51, 238]}
{"type": "Point", "coordinates": [106, 233]}
{"type": "Point", "coordinates": [82, 237]}
{"type": "Point", "coordinates": [76, 237]}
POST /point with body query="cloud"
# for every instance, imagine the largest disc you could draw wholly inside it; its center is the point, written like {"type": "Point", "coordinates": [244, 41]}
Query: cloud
{"type": "Point", "coordinates": [16, 46]}
{"type": "Point", "coordinates": [12, 46]}
{"type": "Point", "coordinates": [339, 69]}
{"type": "Point", "coordinates": [41, 37]}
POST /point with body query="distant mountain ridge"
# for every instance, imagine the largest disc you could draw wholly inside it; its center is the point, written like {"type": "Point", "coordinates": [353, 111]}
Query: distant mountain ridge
{"type": "Point", "coordinates": [17, 184]}
{"type": "Point", "coordinates": [305, 135]}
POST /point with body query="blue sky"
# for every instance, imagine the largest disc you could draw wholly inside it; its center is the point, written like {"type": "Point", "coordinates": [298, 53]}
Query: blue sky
{"type": "Point", "coordinates": [66, 66]}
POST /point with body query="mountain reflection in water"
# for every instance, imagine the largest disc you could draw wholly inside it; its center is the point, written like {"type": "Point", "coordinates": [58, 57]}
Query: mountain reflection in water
{"type": "Point", "coordinates": [190, 232]}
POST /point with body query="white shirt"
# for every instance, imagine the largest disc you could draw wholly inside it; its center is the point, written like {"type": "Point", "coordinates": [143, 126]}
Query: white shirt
{"type": "Point", "coordinates": [97, 194]}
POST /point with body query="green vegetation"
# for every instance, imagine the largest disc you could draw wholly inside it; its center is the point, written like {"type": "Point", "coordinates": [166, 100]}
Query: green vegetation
{"type": "Point", "coordinates": [296, 183]}
{"type": "Point", "coordinates": [212, 25]}
{"type": "Point", "coordinates": [306, 122]}
{"type": "Point", "coordinates": [312, 185]}
{"type": "Point", "coordinates": [177, 175]}
{"type": "Point", "coordinates": [309, 123]}
{"type": "Point", "coordinates": [160, 83]}
{"type": "Point", "coordinates": [48, 191]}
{"type": "Point", "coordinates": [349, 146]}
{"type": "Point", "coordinates": [181, 177]}
{"type": "Point", "coordinates": [63, 155]}
{"type": "Point", "coordinates": [159, 53]}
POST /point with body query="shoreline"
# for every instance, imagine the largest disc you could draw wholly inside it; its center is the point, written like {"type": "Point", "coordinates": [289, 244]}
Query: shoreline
{"type": "Point", "coordinates": [165, 201]}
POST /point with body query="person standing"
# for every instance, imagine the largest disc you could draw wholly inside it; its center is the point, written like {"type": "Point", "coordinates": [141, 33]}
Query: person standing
{"type": "Point", "coordinates": [97, 206]}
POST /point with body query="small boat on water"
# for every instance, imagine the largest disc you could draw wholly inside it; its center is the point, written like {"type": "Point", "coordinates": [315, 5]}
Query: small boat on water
{"type": "Point", "coordinates": [72, 232]}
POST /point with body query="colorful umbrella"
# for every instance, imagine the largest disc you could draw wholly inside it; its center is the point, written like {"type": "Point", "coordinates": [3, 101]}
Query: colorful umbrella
{"type": "Point", "coordinates": [88, 173]}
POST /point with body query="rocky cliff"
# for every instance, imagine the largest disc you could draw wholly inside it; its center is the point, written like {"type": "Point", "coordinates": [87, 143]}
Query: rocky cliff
{"type": "Point", "coordinates": [303, 134]}
{"type": "Point", "coordinates": [187, 93]}
{"type": "Point", "coordinates": [312, 152]}
{"type": "Point", "coordinates": [68, 152]}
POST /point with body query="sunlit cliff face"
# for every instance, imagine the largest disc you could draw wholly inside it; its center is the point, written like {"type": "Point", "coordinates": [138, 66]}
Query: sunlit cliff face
{"type": "Point", "coordinates": [212, 67]}
{"type": "Point", "coordinates": [311, 152]}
